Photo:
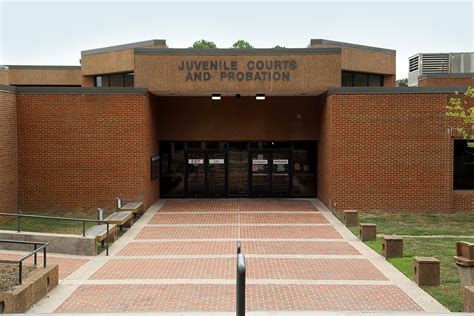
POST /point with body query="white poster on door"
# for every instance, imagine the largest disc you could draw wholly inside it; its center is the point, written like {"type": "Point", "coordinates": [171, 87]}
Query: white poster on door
{"type": "Point", "coordinates": [216, 161]}
{"type": "Point", "coordinates": [280, 161]}
{"type": "Point", "coordinates": [195, 161]}
{"type": "Point", "coordinates": [260, 161]}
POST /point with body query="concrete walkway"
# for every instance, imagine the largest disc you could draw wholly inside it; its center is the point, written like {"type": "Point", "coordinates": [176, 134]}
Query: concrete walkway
{"type": "Point", "coordinates": [180, 257]}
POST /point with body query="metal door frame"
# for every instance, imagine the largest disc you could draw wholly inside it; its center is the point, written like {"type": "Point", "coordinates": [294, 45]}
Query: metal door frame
{"type": "Point", "coordinates": [206, 172]}
{"type": "Point", "coordinates": [271, 151]}
{"type": "Point", "coordinates": [186, 172]}
{"type": "Point", "coordinates": [226, 170]}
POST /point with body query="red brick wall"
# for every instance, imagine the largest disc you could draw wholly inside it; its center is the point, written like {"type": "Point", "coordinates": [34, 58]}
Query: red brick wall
{"type": "Point", "coordinates": [446, 82]}
{"type": "Point", "coordinates": [88, 81]}
{"type": "Point", "coordinates": [389, 81]}
{"type": "Point", "coordinates": [8, 153]}
{"type": "Point", "coordinates": [80, 151]}
{"type": "Point", "coordinates": [151, 148]}
{"type": "Point", "coordinates": [325, 144]}
{"type": "Point", "coordinates": [386, 152]}
{"type": "Point", "coordinates": [463, 200]}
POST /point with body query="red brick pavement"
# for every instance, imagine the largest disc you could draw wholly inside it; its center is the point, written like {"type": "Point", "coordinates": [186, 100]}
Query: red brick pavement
{"type": "Point", "coordinates": [200, 205]}
{"type": "Point", "coordinates": [221, 297]}
{"type": "Point", "coordinates": [282, 218]}
{"type": "Point", "coordinates": [173, 219]}
{"type": "Point", "coordinates": [276, 205]}
{"type": "Point", "coordinates": [211, 297]}
{"type": "Point", "coordinates": [228, 248]}
{"type": "Point", "coordinates": [197, 232]}
{"type": "Point", "coordinates": [330, 298]}
{"type": "Point", "coordinates": [149, 298]}
{"type": "Point", "coordinates": [254, 205]}
{"type": "Point", "coordinates": [179, 248]}
{"type": "Point", "coordinates": [66, 265]}
{"type": "Point", "coordinates": [290, 232]}
{"type": "Point", "coordinates": [298, 247]}
{"type": "Point", "coordinates": [231, 232]}
{"type": "Point", "coordinates": [312, 269]}
{"type": "Point", "coordinates": [224, 268]}
{"type": "Point", "coordinates": [245, 218]}
{"type": "Point", "coordinates": [214, 268]}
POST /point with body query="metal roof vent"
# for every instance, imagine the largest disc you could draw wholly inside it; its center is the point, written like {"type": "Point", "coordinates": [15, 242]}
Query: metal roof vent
{"type": "Point", "coordinates": [438, 63]}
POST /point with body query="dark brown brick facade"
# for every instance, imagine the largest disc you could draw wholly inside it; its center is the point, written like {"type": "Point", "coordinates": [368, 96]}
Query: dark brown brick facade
{"type": "Point", "coordinates": [8, 153]}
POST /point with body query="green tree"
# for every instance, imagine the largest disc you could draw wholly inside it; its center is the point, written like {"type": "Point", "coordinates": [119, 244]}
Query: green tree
{"type": "Point", "coordinates": [461, 109]}
{"type": "Point", "coordinates": [204, 44]}
{"type": "Point", "coordinates": [402, 82]}
{"type": "Point", "coordinates": [242, 44]}
{"type": "Point", "coordinates": [278, 46]}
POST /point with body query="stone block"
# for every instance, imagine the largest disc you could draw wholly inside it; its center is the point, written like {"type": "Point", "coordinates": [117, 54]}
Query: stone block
{"type": "Point", "coordinates": [38, 283]}
{"type": "Point", "coordinates": [469, 299]}
{"type": "Point", "coordinates": [426, 271]}
{"type": "Point", "coordinates": [466, 275]}
{"type": "Point", "coordinates": [392, 246]}
{"type": "Point", "coordinates": [464, 254]}
{"type": "Point", "coordinates": [367, 231]}
{"type": "Point", "coordinates": [351, 218]}
{"type": "Point", "coordinates": [465, 250]}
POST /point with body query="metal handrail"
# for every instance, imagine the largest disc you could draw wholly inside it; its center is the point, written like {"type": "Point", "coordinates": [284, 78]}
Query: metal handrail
{"type": "Point", "coordinates": [71, 219]}
{"type": "Point", "coordinates": [241, 269]}
{"type": "Point", "coordinates": [34, 252]}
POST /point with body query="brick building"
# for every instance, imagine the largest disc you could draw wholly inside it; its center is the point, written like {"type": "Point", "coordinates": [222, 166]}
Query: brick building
{"type": "Point", "coordinates": [143, 121]}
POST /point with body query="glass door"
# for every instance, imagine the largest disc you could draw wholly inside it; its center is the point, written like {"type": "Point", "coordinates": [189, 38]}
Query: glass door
{"type": "Point", "coordinates": [280, 173]}
{"type": "Point", "coordinates": [195, 174]}
{"type": "Point", "coordinates": [260, 173]}
{"type": "Point", "coordinates": [216, 173]}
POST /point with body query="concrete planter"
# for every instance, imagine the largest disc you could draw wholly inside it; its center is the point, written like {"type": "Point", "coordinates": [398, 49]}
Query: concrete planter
{"type": "Point", "coordinates": [58, 243]}
{"type": "Point", "coordinates": [34, 288]}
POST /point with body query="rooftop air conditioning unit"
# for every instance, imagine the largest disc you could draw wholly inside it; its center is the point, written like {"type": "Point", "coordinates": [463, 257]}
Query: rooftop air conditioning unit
{"type": "Point", "coordinates": [439, 63]}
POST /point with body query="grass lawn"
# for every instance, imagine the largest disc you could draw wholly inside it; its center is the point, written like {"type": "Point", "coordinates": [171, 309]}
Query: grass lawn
{"type": "Point", "coordinates": [41, 225]}
{"type": "Point", "coordinates": [421, 224]}
{"type": "Point", "coordinates": [449, 293]}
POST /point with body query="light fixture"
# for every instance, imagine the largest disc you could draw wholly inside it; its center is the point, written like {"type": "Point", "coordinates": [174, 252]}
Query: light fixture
{"type": "Point", "coordinates": [260, 96]}
{"type": "Point", "coordinates": [216, 96]}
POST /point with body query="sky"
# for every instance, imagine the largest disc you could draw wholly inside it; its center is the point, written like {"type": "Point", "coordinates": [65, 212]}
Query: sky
{"type": "Point", "coordinates": [54, 32]}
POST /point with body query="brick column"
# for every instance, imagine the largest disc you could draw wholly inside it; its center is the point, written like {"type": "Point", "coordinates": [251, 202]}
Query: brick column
{"type": "Point", "coordinates": [88, 81]}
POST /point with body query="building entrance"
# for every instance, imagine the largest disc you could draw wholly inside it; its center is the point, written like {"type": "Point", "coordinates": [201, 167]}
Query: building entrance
{"type": "Point", "coordinates": [270, 173]}
{"type": "Point", "coordinates": [206, 173]}
{"type": "Point", "coordinates": [238, 169]}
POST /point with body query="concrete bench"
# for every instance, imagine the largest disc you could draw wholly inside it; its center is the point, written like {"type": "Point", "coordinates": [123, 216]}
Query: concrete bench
{"type": "Point", "coordinates": [100, 232]}
{"type": "Point", "coordinates": [134, 207]}
{"type": "Point", "coordinates": [122, 218]}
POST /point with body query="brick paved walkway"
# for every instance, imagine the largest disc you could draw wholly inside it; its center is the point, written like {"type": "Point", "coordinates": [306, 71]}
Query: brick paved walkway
{"type": "Point", "coordinates": [66, 264]}
{"type": "Point", "coordinates": [180, 257]}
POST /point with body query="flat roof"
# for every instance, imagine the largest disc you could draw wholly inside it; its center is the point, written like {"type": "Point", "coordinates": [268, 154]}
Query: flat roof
{"type": "Point", "coordinates": [54, 67]}
{"type": "Point", "coordinates": [236, 51]}
{"type": "Point", "coordinates": [394, 90]}
{"type": "Point", "coordinates": [449, 75]}
{"type": "Point", "coordinates": [123, 47]}
{"type": "Point", "coordinates": [72, 90]}
{"type": "Point", "coordinates": [321, 41]}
